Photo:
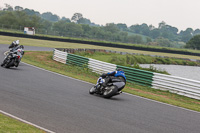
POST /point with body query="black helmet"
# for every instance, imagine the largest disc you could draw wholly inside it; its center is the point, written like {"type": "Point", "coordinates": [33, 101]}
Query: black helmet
{"type": "Point", "coordinates": [119, 69]}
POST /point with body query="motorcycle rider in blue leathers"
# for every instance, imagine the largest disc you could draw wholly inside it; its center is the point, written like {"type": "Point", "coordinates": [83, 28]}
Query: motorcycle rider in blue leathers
{"type": "Point", "coordinates": [115, 76]}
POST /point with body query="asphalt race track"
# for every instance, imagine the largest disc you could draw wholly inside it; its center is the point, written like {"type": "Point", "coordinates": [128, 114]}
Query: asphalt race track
{"type": "Point", "coordinates": [63, 105]}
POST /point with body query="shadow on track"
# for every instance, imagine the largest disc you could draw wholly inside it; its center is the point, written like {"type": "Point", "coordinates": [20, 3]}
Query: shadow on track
{"type": "Point", "coordinates": [114, 98]}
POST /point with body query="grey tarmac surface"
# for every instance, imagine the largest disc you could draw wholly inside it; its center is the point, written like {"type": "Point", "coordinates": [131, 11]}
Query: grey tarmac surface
{"type": "Point", "coordinates": [63, 105]}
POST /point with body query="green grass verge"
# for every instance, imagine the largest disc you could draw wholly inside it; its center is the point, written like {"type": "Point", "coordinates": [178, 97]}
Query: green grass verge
{"type": "Point", "coordinates": [10, 125]}
{"type": "Point", "coordinates": [44, 60]}
{"type": "Point", "coordinates": [54, 44]}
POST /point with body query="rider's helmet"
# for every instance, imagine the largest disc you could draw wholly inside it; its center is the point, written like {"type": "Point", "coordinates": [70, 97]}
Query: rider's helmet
{"type": "Point", "coordinates": [120, 69]}
{"type": "Point", "coordinates": [17, 42]}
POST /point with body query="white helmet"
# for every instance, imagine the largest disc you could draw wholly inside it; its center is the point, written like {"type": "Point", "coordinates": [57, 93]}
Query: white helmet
{"type": "Point", "coordinates": [17, 42]}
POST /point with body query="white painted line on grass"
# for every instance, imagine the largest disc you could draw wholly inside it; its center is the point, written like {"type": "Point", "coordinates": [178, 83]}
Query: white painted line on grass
{"type": "Point", "coordinates": [26, 122]}
{"type": "Point", "coordinates": [123, 92]}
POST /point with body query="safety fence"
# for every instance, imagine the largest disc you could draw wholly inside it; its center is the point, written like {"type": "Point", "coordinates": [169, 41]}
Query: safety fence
{"type": "Point", "coordinates": [60, 56]}
{"type": "Point", "coordinates": [178, 85]}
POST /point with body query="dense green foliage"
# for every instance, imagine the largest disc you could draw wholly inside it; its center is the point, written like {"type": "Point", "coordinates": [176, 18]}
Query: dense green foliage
{"type": "Point", "coordinates": [194, 43]}
{"type": "Point", "coordinates": [78, 26]}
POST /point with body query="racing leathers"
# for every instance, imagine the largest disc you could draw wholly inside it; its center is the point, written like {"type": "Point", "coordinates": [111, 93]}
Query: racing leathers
{"type": "Point", "coordinates": [115, 76]}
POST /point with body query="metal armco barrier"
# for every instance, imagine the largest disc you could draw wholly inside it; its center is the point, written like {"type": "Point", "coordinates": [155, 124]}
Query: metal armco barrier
{"type": "Point", "coordinates": [138, 76]}
{"type": "Point", "coordinates": [60, 56]}
{"type": "Point", "coordinates": [100, 66]}
{"type": "Point", "coordinates": [77, 60]}
{"type": "Point", "coordinates": [178, 85]}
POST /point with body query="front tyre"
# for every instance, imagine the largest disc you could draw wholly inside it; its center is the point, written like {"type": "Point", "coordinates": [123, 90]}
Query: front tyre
{"type": "Point", "coordinates": [9, 63]}
{"type": "Point", "coordinates": [2, 64]}
{"type": "Point", "coordinates": [110, 91]}
{"type": "Point", "coordinates": [6, 63]}
{"type": "Point", "coordinates": [92, 90]}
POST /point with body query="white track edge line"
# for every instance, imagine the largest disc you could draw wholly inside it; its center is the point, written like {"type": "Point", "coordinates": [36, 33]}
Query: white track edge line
{"type": "Point", "coordinates": [26, 122]}
{"type": "Point", "coordinates": [123, 92]}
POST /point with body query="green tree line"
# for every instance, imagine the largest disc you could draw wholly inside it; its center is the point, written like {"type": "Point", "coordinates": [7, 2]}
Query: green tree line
{"type": "Point", "coordinates": [78, 26]}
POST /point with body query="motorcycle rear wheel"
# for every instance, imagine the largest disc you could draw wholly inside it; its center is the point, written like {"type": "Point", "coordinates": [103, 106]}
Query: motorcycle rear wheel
{"type": "Point", "coordinates": [110, 91]}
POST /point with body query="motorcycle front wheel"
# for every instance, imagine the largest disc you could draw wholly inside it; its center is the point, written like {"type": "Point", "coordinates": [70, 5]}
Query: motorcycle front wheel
{"type": "Point", "coordinates": [9, 63]}
{"type": "Point", "coordinates": [2, 64]}
{"type": "Point", "coordinates": [92, 90]}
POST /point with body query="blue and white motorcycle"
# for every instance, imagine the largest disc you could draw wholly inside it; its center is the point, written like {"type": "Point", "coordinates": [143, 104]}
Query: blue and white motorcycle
{"type": "Point", "coordinates": [13, 57]}
{"type": "Point", "coordinates": [111, 89]}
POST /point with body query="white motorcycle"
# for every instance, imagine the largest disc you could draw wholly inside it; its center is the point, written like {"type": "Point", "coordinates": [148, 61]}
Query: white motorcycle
{"type": "Point", "coordinates": [13, 58]}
